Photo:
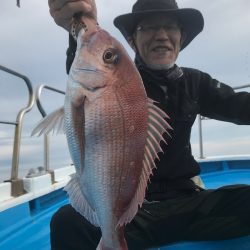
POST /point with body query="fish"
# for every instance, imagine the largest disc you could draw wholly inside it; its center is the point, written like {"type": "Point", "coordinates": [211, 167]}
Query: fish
{"type": "Point", "coordinates": [113, 132]}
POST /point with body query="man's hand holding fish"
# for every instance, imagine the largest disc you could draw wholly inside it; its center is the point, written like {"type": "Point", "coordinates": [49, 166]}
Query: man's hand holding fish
{"type": "Point", "coordinates": [63, 11]}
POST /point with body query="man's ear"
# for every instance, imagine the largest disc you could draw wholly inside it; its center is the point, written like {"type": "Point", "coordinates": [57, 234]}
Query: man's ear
{"type": "Point", "coordinates": [130, 40]}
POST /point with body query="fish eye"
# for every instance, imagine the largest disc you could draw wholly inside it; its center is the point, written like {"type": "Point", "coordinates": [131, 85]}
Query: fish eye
{"type": "Point", "coordinates": [109, 56]}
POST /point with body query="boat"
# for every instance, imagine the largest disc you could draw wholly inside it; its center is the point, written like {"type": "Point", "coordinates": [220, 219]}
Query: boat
{"type": "Point", "coordinates": [28, 203]}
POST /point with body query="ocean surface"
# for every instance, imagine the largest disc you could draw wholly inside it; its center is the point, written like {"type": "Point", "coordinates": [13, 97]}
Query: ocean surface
{"type": "Point", "coordinates": [32, 149]}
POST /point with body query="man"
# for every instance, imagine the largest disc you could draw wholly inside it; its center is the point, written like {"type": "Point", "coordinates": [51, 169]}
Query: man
{"type": "Point", "coordinates": [176, 205]}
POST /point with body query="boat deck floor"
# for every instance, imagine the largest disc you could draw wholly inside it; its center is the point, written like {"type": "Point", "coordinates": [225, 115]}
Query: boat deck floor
{"type": "Point", "coordinates": [31, 231]}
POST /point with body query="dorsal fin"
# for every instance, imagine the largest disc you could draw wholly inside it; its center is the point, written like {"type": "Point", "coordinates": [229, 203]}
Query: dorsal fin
{"type": "Point", "coordinates": [157, 125]}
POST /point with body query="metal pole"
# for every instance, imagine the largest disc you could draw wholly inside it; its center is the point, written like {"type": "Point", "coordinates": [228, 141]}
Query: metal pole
{"type": "Point", "coordinates": [200, 136]}
{"type": "Point", "coordinates": [17, 184]}
{"type": "Point", "coordinates": [46, 153]}
{"type": "Point", "coordinates": [19, 121]}
{"type": "Point", "coordinates": [43, 113]}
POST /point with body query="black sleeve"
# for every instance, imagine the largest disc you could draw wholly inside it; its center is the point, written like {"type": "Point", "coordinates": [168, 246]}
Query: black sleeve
{"type": "Point", "coordinates": [219, 101]}
{"type": "Point", "coordinates": [70, 53]}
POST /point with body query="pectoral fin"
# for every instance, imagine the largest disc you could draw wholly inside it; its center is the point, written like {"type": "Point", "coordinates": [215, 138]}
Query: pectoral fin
{"type": "Point", "coordinates": [53, 122]}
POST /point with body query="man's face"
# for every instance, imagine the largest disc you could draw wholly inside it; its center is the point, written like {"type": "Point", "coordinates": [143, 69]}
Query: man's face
{"type": "Point", "coordinates": [158, 40]}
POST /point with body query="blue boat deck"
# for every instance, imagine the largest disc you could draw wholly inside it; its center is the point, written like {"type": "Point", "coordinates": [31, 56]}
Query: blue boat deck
{"type": "Point", "coordinates": [26, 226]}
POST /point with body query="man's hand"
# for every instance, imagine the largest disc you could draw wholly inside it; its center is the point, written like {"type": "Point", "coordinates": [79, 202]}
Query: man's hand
{"type": "Point", "coordinates": [63, 10]}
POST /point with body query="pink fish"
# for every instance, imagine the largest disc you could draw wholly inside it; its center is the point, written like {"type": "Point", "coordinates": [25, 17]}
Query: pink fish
{"type": "Point", "coordinates": [113, 132]}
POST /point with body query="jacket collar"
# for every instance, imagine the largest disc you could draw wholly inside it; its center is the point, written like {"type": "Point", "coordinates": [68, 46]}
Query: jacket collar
{"type": "Point", "coordinates": [160, 77]}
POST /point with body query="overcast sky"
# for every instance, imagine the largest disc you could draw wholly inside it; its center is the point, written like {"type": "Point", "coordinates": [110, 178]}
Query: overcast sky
{"type": "Point", "coordinates": [32, 44]}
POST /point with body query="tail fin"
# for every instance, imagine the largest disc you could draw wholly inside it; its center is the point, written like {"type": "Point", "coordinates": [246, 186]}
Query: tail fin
{"type": "Point", "coordinates": [122, 246]}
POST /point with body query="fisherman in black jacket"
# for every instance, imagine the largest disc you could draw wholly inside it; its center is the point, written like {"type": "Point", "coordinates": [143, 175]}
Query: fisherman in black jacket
{"type": "Point", "coordinates": [177, 206]}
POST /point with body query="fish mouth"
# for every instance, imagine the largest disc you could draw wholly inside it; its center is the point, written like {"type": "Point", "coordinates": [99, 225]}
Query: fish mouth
{"type": "Point", "coordinates": [87, 70]}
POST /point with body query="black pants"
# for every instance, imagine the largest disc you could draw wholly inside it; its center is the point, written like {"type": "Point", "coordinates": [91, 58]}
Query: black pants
{"type": "Point", "coordinates": [207, 215]}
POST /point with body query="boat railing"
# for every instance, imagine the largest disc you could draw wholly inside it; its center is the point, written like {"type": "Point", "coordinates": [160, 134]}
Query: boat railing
{"type": "Point", "coordinates": [202, 118]}
{"type": "Point", "coordinates": [46, 137]}
{"type": "Point", "coordinates": [16, 183]}
{"type": "Point", "coordinates": [43, 113]}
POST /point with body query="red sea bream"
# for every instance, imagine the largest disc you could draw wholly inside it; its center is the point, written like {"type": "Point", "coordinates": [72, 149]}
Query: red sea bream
{"type": "Point", "coordinates": [113, 132]}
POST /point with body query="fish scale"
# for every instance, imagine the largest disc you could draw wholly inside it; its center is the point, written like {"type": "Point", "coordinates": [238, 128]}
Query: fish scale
{"type": "Point", "coordinates": [114, 156]}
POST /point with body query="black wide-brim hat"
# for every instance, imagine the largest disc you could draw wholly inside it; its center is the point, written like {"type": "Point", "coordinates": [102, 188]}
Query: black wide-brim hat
{"type": "Point", "coordinates": [191, 20]}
